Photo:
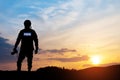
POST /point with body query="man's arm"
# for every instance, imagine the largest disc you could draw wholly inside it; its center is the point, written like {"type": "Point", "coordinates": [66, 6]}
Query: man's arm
{"type": "Point", "coordinates": [17, 41]}
{"type": "Point", "coordinates": [36, 42]}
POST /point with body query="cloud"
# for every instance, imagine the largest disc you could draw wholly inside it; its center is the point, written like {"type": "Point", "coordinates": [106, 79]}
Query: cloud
{"type": "Point", "coordinates": [109, 64]}
{"type": "Point", "coordinates": [101, 65]}
{"type": "Point", "coordinates": [5, 50]}
{"type": "Point", "coordinates": [60, 51]}
{"type": "Point", "coordinates": [4, 46]}
{"type": "Point", "coordinates": [57, 17]}
{"type": "Point", "coordinates": [72, 59]}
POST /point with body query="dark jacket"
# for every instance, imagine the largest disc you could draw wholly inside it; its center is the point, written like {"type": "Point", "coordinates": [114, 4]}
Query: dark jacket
{"type": "Point", "coordinates": [27, 37]}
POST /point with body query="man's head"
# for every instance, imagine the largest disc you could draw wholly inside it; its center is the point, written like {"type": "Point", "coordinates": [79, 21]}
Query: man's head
{"type": "Point", "coordinates": [27, 24]}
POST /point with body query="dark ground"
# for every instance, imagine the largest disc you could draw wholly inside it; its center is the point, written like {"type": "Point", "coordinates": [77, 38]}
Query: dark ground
{"type": "Point", "coordinates": [56, 73]}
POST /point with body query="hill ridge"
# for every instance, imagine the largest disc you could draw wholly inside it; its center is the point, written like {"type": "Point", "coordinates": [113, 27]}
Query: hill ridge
{"type": "Point", "coordinates": [58, 73]}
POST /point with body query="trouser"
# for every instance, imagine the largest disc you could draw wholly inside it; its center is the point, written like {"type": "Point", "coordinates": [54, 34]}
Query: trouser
{"type": "Point", "coordinates": [22, 55]}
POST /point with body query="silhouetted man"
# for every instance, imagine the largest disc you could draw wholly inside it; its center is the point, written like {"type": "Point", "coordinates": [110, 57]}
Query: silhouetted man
{"type": "Point", "coordinates": [27, 37]}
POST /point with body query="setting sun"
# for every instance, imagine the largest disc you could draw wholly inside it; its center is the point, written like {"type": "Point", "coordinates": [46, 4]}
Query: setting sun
{"type": "Point", "coordinates": [95, 60]}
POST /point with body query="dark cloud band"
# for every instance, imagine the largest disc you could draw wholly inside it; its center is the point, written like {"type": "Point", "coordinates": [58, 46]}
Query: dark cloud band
{"type": "Point", "coordinates": [63, 50]}
{"type": "Point", "coordinates": [72, 59]}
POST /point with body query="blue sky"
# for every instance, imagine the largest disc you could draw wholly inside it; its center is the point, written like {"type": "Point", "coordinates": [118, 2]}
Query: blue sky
{"type": "Point", "coordinates": [89, 27]}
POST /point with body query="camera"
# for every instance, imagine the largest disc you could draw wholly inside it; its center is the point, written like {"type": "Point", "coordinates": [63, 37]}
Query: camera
{"type": "Point", "coordinates": [14, 52]}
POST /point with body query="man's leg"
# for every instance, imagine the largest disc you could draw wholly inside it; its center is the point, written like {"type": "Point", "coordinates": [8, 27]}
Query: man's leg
{"type": "Point", "coordinates": [19, 62]}
{"type": "Point", "coordinates": [29, 61]}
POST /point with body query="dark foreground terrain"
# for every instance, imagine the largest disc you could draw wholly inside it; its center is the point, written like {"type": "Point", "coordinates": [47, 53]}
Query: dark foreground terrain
{"type": "Point", "coordinates": [55, 73]}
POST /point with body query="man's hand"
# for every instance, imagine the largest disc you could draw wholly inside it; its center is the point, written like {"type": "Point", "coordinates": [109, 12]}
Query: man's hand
{"type": "Point", "coordinates": [36, 51]}
{"type": "Point", "coordinates": [14, 51]}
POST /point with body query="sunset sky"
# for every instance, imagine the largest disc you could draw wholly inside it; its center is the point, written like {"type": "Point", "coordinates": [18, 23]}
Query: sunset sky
{"type": "Point", "coordinates": [70, 32]}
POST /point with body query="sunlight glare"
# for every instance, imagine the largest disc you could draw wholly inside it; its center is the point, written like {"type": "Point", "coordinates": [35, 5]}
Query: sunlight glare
{"type": "Point", "coordinates": [95, 60]}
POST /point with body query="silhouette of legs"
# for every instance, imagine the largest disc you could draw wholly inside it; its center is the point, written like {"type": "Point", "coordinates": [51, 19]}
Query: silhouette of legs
{"type": "Point", "coordinates": [20, 60]}
{"type": "Point", "coordinates": [22, 55]}
{"type": "Point", "coordinates": [29, 61]}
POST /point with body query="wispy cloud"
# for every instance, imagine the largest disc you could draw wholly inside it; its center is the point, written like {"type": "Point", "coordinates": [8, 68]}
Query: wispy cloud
{"type": "Point", "coordinates": [101, 65]}
{"type": "Point", "coordinates": [60, 51]}
{"type": "Point", "coordinates": [72, 59]}
{"type": "Point", "coordinates": [109, 64]}
{"type": "Point", "coordinates": [62, 15]}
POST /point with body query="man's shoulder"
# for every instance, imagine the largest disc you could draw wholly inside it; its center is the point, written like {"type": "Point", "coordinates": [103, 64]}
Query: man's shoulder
{"type": "Point", "coordinates": [25, 30]}
{"type": "Point", "coordinates": [21, 31]}
{"type": "Point", "coordinates": [32, 30]}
